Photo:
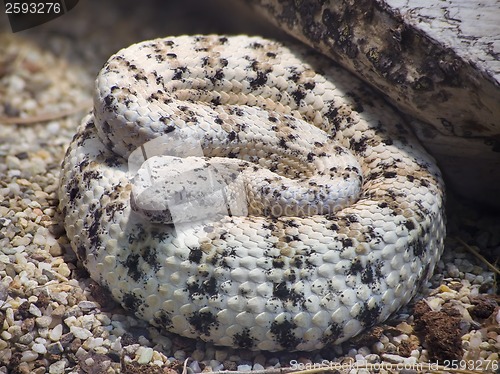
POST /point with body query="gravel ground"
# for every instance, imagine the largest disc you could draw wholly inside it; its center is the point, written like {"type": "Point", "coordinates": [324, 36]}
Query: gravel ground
{"type": "Point", "coordinates": [54, 319]}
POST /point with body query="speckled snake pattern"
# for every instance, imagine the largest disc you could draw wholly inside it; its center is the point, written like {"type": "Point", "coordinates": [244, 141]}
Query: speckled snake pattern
{"type": "Point", "coordinates": [260, 281]}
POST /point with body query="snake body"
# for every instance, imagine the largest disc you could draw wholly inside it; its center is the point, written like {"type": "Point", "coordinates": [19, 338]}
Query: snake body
{"type": "Point", "coordinates": [289, 262]}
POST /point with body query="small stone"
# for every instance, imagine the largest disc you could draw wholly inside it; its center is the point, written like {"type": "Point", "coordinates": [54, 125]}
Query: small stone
{"type": "Point", "coordinates": [435, 303]}
{"type": "Point", "coordinates": [88, 321]}
{"type": "Point", "coordinates": [405, 328]}
{"type": "Point", "coordinates": [55, 333]}
{"type": "Point", "coordinates": [39, 239]}
{"type": "Point", "coordinates": [58, 312]}
{"type": "Point", "coordinates": [80, 332]}
{"type": "Point", "coordinates": [3, 344]}
{"type": "Point", "coordinates": [43, 321]}
{"type": "Point", "coordinates": [104, 319]}
{"type": "Point", "coordinates": [89, 361]}
{"type": "Point", "coordinates": [116, 345]}
{"type": "Point", "coordinates": [29, 356]}
{"type": "Point", "coordinates": [57, 367]}
{"type": "Point", "coordinates": [258, 367]}
{"type": "Point", "coordinates": [244, 367]}
{"type": "Point", "coordinates": [60, 297]}
{"type": "Point", "coordinates": [26, 338]}
{"type": "Point", "coordinates": [33, 309]}
{"type": "Point", "coordinates": [195, 366]}
{"type": "Point", "coordinates": [39, 348]}
{"type": "Point", "coordinates": [23, 368]}
{"type": "Point", "coordinates": [55, 348]}
{"type": "Point", "coordinates": [359, 358]}
{"type": "Point", "coordinates": [87, 305]}
{"type": "Point", "coordinates": [398, 339]}
{"type": "Point", "coordinates": [372, 358]}
{"type": "Point", "coordinates": [63, 269]}
{"type": "Point", "coordinates": [145, 355]}
{"type": "Point", "coordinates": [70, 321]}
{"type": "Point", "coordinates": [92, 343]}
{"type": "Point", "coordinates": [180, 355]}
{"type": "Point", "coordinates": [81, 353]}
{"type": "Point", "coordinates": [56, 250]}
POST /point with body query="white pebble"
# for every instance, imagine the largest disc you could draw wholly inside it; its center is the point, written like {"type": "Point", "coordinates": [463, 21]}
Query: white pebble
{"type": "Point", "coordinates": [57, 367]}
{"type": "Point", "coordinates": [40, 340]}
{"type": "Point", "coordinates": [92, 343]}
{"type": "Point", "coordinates": [244, 368]}
{"type": "Point", "coordinates": [39, 348]}
{"type": "Point", "coordinates": [80, 332]}
{"type": "Point", "coordinates": [12, 162]}
{"type": "Point", "coordinates": [195, 366]}
{"type": "Point", "coordinates": [56, 333]}
{"type": "Point", "coordinates": [39, 239]}
{"type": "Point", "coordinates": [415, 353]}
{"type": "Point", "coordinates": [89, 361]}
{"type": "Point", "coordinates": [145, 355]}
{"type": "Point", "coordinates": [63, 269]}
{"type": "Point", "coordinates": [15, 84]}
{"type": "Point", "coordinates": [70, 321]}
{"type": "Point", "coordinates": [103, 318]}
{"type": "Point", "coordinates": [29, 356]}
{"type": "Point", "coordinates": [33, 309]}
{"type": "Point", "coordinates": [116, 345]}
{"type": "Point", "coordinates": [88, 321]}
{"type": "Point", "coordinates": [44, 321]}
{"type": "Point", "coordinates": [258, 366]}
{"type": "Point", "coordinates": [359, 358]}
{"type": "Point", "coordinates": [435, 303]}
{"type": "Point", "coordinates": [60, 297]}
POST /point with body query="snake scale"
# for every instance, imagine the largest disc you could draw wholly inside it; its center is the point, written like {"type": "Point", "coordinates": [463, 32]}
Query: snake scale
{"type": "Point", "coordinates": [286, 262]}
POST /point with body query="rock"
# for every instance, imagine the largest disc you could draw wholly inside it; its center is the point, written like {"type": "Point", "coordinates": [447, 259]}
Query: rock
{"type": "Point", "coordinates": [145, 354]}
{"type": "Point", "coordinates": [57, 367]}
{"type": "Point", "coordinates": [439, 64]}
{"type": "Point", "coordinates": [39, 348]}
{"type": "Point", "coordinates": [80, 332]}
{"type": "Point", "coordinates": [56, 332]}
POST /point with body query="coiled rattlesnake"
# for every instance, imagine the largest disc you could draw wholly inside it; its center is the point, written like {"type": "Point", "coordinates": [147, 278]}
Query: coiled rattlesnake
{"type": "Point", "coordinates": [285, 261]}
